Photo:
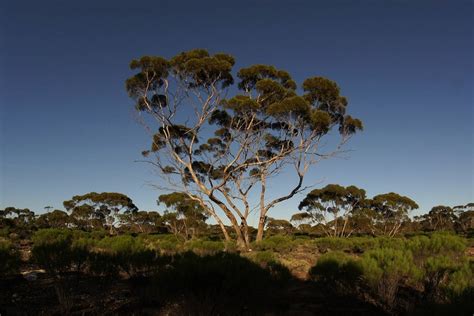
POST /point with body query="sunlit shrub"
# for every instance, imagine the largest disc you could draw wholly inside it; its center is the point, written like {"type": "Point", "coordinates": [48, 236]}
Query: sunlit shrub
{"type": "Point", "coordinates": [437, 244]}
{"type": "Point", "coordinates": [390, 242]}
{"type": "Point", "coordinates": [52, 249]}
{"type": "Point", "coordinates": [386, 269]}
{"type": "Point", "coordinates": [460, 281]}
{"type": "Point", "coordinates": [165, 244]}
{"type": "Point", "coordinates": [264, 257]}
{"type": "Point", "coordinates": [231, 246]}
{"type": "Point", "coordinates": [363, 244]}
{"type": "Point", "coordinates": [333, 244]}
{"type": "Point", "coordinates": [278, 243]}
{"type": "Point", "coordinates": [129, 253]}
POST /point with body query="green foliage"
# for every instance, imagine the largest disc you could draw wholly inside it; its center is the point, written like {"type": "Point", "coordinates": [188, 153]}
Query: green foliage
{"type": "Point", "coordinates": [385, 270]}
{"type": "Point", "coordinates": [59, 250]}
{"type": "Point", "coordinates": [276, 243]}
{"type": "Point", "coordinates": [461, 281]}
{"type": "Point", "coordinates": [332, 205]}
{"type": "Point", "coordinates": [205, 247]}
{"type": "Point", "coordinates": [9, 258]}
{"type": "Point", "coordinates": [165, 244]}
{"type": "Point", "coordinates": [325, 244]}
{"type": "Point", "coordinates": [386, 263]}
{"type": "Point", "coordinates": [437, 243]}
{"type": "Point", "coordinates": [129, 253]}
{"type": "Point", "coordinates": [337, 269]}
{"type": "Point", "coordinates": [264, 257]}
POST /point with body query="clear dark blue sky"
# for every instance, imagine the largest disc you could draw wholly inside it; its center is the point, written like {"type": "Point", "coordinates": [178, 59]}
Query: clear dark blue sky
{"type": "Point", "coordinates": [406, 66]}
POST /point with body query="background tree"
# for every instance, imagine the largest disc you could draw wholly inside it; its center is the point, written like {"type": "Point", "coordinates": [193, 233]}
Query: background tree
{"type": "Point", "coordinates": [465, 218]}
{"type": "Point", "coordinates": [279, 226]}
{"type": "Point", "coordinates": [187, 217]}
{"type": "Point", "coordinates": [17, 220]}
{"type": "Point", "coordinates": [332, 206]}
{"type": "Point", "coordinates": [94, 210]}
{"type": "Point", "coordinates": [141, 221]}
{"type": "Point", "coordinates": [438, 218]}
{"type": "Point", "coordinates": [53, 219]}
{"type": "Point", "coordinates": [363, 219]}
{"type": "Point", "coordinates": [392, 211]}
{"type": "Point", "coordinates": [217, 147]}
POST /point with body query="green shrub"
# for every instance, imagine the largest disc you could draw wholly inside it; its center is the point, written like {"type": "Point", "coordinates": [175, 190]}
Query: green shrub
{"type": "Point", "coordinates": [390, 242]}
{"type": "Point", "coordinates": [128, 253]}
{"type": "Point", "coordinates": [437, 244]}
{"type": "Point", "coordinates": [337, 270]}
{"type": "Point", "coordinates": [9, 258]}
{"type": "Point", "coordinates": [460, 281]}
{"type": "Point", "coordinates": [278, 243]}
{"type": "Point", "coordinates": [264, 257]}
{"type": "Point", "coordinates": [326, 244]}
{"type": "Point", "coordinates": [230, 246]}
{"type": "Point", "coordinates": [386, 269]}
{"type": "Point", "coordinates": [363, 244]}
{"type": "Point", "coordinates": [52, 249]}
{"type": "Point", "coordinates": [165, 244]}
{"type": "Point", "coordinates": [205, 247]}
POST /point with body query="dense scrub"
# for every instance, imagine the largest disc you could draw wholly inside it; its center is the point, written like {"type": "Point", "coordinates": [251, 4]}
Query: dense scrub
{"type": "Point", "coordinates": [422, 273]}
{"type": "Point", "coordinates": [433, 268]}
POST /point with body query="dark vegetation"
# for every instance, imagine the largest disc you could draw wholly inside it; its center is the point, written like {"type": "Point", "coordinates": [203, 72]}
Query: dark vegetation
{"type": "Point", "coordinates": [151, 267]}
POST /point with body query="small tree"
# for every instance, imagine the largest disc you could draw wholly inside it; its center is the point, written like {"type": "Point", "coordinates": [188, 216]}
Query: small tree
{"type": "Point", "coordinates": [279, 226]}
{"type": "Point", "coordinates": [53, 219]}
{"type": "Point", "coordinates": [217, 147]}
{"type": "Point", "coordinates": [141, 221]}
{"type": "Point", "coordinates": [465, 217]}
{"type": "Point", "coordinates": [439, 218]}
{"type": "Point", "coordinates": [94, 210]}
{"type": "Point", "coordinates": [20, 221]}
{"type": "Point", "coordinates": [332, 206]}
{"type": "Point", "coordinates": [392, 211]}
{"type": "Point", "coordinates": [188, 218]}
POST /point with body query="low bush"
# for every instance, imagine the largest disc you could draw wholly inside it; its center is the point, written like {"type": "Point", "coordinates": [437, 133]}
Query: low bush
{"type": "Point", "coordinates": [56, 252]}
{"type": "Point", "coordinates": [437, 244]}
{"type": "Point", "coordinates": [205, 247]}
{"type": "Point", "coordinates": [129, 254]}
{"type": "Point", "coordinates": [219, 284]}
{"type": "Point", "coordinates": [338, 271]}
{"type": "Point", "coordinates": [386, 269]}
{"type": "Point", "coordinates": [165, 244]}
{"type": "Point", "coordinates": [460, 281]}
{"type": "Point", "coordinates": [9, 258]}
{"type": "Point", "coordinates": [264, 257]}
{"type": "Point", "coordinates": [326, 244]}
{"type": "Point", "coordinates": [278, 243]}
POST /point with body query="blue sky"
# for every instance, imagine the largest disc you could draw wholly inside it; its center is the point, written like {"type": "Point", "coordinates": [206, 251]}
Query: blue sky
{"type": "Point", "coordinates": [67, 127]}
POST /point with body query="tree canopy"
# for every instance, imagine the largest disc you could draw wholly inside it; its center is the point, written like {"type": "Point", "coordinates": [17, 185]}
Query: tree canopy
{"type": "Point", "coordinates": [217, 143]}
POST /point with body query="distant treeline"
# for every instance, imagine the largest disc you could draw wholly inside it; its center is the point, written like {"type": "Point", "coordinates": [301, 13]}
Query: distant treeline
{"type": "Point", "coordinates": [331, 211]}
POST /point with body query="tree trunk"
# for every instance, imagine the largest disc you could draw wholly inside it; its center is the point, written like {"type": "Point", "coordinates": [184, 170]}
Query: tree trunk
{"type": "Point", "coordinates": [245, 232]}
{"type": "Point", "coordinates": [224, 230]}
{"type": "Point", "coordinates": [261, 227]}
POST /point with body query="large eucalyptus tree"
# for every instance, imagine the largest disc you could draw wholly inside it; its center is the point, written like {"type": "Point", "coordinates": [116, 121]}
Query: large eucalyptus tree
{"type": "Point", "coordinates": [222, 143]}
